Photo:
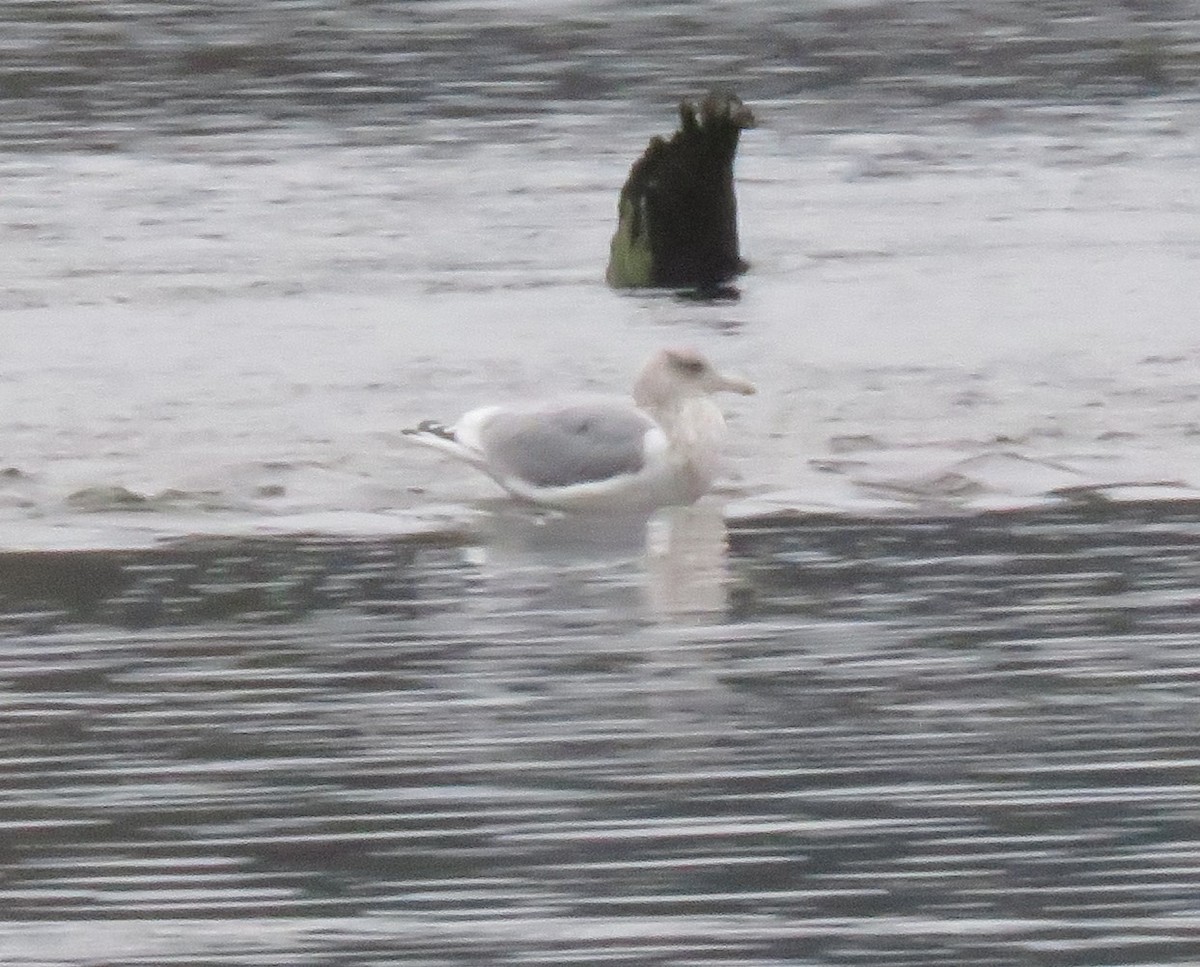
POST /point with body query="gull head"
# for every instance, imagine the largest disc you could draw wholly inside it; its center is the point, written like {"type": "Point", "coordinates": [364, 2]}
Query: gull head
{"type": "Point", "coordinates": [673, 375]}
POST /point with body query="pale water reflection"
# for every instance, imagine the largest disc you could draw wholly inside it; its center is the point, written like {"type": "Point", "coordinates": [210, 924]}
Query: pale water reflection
{"type": "Point", "coordinates": [687, 572]}
{"type": "Point", "coordinates": [669, 568]}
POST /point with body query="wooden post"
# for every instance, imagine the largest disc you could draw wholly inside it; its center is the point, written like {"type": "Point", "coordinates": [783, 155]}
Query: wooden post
{"type": "Point", "coordinates": [677, 214]}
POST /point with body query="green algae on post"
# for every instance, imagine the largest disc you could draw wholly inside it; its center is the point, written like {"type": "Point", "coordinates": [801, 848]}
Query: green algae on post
{"type": "Point", "coordinates": [677, 214]}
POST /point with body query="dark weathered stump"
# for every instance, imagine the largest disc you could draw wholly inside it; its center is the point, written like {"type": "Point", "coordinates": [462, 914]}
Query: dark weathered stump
{"type": "Point", "coordinates": [677, 216]}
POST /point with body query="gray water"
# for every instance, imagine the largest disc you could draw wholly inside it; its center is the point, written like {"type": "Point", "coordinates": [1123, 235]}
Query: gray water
{"type": "Point", "coordinates": [109, 75]}
{"type": "Point", "coordinates": [926, 741]}
{"type": "Point", "coordinates": [916, 686]}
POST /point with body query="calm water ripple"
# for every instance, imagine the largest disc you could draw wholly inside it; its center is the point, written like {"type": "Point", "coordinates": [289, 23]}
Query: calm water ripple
{"type": "Point", "coordinates": [109, 75]}
{"type": "Point", "coordinates": [966, 741]}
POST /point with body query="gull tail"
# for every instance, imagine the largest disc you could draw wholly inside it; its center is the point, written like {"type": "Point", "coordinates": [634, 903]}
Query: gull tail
{"type": "Point", "coordinates": [429, 428]}
{"type": "Point", "coordinates": [438, 436]}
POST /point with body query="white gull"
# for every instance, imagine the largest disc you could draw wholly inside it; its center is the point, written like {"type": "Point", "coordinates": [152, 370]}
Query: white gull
{"type": "Point", "coordinates": [598, 452]}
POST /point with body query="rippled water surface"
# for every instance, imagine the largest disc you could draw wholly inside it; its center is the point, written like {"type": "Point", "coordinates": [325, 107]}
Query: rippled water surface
{"type": "Point", "coordinates": [917, 686]}
{"type": "Point", "coordinates": [929, 741]}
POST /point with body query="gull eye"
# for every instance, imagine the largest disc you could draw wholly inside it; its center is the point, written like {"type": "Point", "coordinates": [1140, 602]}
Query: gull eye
{"type": "Point", "coordinates": [688, 364]}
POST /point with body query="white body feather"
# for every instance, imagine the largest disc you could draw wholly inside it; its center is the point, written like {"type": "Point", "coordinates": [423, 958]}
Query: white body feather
{"type": "Point", "coordinates": [673, 447]}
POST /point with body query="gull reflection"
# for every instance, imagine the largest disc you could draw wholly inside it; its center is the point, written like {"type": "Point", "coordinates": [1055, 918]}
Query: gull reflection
{"type": "Point", "coordinates": [686, 566]}
{"type": "Point", "coordinates": [669, 568]}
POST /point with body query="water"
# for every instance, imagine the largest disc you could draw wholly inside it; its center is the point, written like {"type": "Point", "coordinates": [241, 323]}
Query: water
{"type": "Point", "coordinates": [253, 247]}
{"type": "Point", "coordinates": [917, 686]}
{"type": "Point", "coordinates": [927, 741]}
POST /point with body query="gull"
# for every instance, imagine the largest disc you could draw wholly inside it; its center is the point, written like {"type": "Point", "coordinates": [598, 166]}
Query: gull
{"type": "Point", "coordinates": [602, 453]}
